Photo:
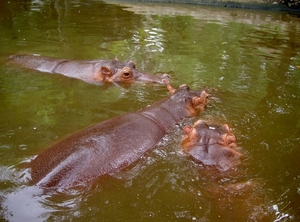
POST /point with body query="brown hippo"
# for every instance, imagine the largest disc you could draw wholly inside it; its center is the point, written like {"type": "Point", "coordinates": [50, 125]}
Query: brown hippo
{"type": "Point", "coordinates": [212, 145]}
{"type": "Point", "coordinates": [93, 71]}
{"type": "Point", "coordinates": [115, 143]}
{"type": "Point", "coordinates": [235, 193]}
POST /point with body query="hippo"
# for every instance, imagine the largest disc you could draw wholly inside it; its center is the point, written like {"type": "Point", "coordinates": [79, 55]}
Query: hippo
{"type": "Point", "coordinates": [113, 144]}
{"type": "Point", "coordinates": [212, 145]}
{"type": "Point", "coordinates": [237, 195]}
{"type": "Point", "coordinates": [90, 71]}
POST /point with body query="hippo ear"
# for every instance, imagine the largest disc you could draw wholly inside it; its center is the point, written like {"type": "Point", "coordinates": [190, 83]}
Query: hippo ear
{"type": "Point", "coordinates": [198, 103]}
{"type": "Point", "coordinates": [188, 141]}
{"type": "Point", "coordinates": [187, 130]}
{"type": "Point", "coordinates": [200, 124]}
{"type": "Point", "coordinates": [131, 64]}
{"type": "Point", "coordinates": [106, 71]}
{"type": "Point", "coordinates": [224, 128]}
{"type": "Point", "coordinates": [228, 140]}
{"type": "Point", "coordinates": [116, 58]}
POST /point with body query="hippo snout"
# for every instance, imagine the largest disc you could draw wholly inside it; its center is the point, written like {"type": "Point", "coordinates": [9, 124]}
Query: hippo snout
{"type": "Point", "coordinates": [165, 78]}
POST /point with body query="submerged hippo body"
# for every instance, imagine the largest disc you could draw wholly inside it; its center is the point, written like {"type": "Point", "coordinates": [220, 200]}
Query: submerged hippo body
{"type": "Point", "coordinates": [93, 71]}
{"type": "Point", "coordinates": [113, 144]}
{"type": "Point", "coordinates": [212, 145]}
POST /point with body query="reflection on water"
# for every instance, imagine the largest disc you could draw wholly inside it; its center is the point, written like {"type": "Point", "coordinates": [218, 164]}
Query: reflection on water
{"type": "Point", "coordinates": [248, 60]}
{"type": "Point", "coordinates": [153, 39]}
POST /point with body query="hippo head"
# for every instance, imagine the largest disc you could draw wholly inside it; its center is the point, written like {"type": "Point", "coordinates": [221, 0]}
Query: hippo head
{"type": "Point", "coordinates": [126, 72]}
{"type": "Point", "coordinates": [212, 145]}
{"type": "Point", "coordinates": [191, 101]}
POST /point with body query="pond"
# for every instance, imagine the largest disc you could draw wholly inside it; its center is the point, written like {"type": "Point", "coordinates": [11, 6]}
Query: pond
{"type": "Point", "coordinates": [249, 62]}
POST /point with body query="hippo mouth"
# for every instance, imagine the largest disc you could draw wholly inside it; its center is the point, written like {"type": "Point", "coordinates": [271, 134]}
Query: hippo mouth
{"type": "Point", "coordinates": [159, 78]}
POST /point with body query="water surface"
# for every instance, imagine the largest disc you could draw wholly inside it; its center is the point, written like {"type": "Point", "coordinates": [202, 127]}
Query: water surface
{"type": "Point", "coordinates": [249, 62]}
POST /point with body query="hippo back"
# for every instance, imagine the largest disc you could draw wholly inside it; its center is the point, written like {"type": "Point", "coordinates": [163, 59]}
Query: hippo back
{"type": "Point", "coordinates": [103, 148]}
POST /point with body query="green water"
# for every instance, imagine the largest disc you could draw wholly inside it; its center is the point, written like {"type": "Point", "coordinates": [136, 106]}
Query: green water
{"type": "Point", "coordinates": [248, 61]}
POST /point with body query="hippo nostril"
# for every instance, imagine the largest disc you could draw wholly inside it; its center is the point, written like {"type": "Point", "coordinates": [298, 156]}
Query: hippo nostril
{"type": "Point", "coordinates": [165, 75]}
{"type": "Point", "coordinates": [165, 78]}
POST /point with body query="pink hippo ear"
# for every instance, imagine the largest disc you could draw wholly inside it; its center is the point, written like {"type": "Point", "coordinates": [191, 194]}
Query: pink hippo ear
{"type": "Point", "coordinates": [187, 130]}
{"type": "Point", "coordinates": [225, 128]}
{"type": "Point", "coordinates": [189, 139]}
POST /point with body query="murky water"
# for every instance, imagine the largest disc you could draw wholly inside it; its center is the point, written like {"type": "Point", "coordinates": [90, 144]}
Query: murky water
{"type": "Point", "coordinates": [248, 60]}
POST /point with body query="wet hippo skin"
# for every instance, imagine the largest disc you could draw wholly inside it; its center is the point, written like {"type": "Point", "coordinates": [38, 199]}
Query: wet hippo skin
{"type": "Point", "coordinates": [213, 145]}
{"type": "Point", "coordinates": [115, 143]}
{"type": "Point", "coordinates": [93, 71]}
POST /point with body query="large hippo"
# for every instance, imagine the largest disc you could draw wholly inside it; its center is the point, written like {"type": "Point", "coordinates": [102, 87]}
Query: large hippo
{"type": "Point", "coordinates": [115, 143]}
{"type": "Point", "coordinates": [91, 71]}
{"type": "Point", "coordinates": [212, 145]}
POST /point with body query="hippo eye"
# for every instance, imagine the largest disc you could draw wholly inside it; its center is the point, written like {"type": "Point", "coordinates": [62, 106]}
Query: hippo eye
{"type": "Point", "coordinates": [126, 74]}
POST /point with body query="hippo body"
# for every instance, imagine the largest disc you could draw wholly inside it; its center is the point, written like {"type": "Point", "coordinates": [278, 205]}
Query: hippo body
{"type": "Point", "coordinates": [91, 71]}
{"type": "Point", "coordinates": [212, 145]}
{"type": "Point", "coordinates": [113, 144]}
